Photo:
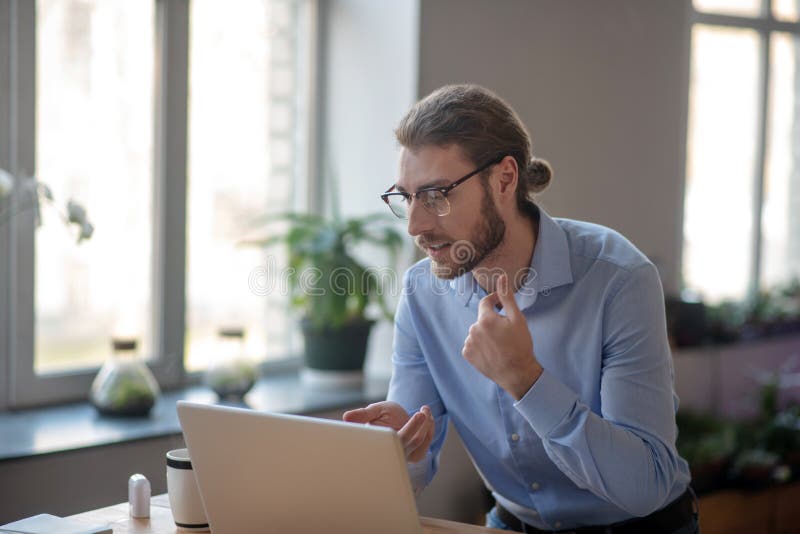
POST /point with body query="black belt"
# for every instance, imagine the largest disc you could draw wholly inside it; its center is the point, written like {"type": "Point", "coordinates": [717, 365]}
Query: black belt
{"type": "Point", "coordinates": [679, 513]}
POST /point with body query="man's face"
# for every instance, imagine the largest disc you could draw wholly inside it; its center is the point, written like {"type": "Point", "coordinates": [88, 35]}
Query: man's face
{"type": "Point", "coordinates": [461, 240]}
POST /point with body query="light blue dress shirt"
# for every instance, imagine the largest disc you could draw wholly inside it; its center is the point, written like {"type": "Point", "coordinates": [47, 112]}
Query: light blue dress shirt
{"type": "Point", "coordinates": [593, 441]}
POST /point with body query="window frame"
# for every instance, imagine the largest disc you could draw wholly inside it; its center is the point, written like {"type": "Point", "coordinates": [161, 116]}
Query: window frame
{"type": "Point", "coordinates": [20, 386]}
{"type": "Point", "coordinates": [765, 24]}
{"type": "Point", "coordinates": [8, 154]}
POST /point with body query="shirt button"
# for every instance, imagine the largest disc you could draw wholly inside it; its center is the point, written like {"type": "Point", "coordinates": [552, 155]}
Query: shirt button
{"type": "Point", "coordinates": [535, 486]}
{"type": "Point", "coordinates": [514, 437]}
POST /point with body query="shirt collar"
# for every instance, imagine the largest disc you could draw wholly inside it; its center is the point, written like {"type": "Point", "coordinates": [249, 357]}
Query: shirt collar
{"type": "Point", "coordinates": [550, 266]}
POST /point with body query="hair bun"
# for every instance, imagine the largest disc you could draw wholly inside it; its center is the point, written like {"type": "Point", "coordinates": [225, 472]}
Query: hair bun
{"type": "Point", "coordinates": [539, 174]}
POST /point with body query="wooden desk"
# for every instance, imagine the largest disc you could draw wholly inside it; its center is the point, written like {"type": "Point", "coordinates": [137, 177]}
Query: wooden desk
{"type": "Point", "coordinates": [160, 521]}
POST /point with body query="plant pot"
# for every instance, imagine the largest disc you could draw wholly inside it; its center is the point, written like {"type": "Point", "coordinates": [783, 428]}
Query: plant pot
{"type": "Point", "coordinates": [686, 322]}
{"type": "Point", "coordinates": [336, 349]}
{"type": "Point", "coordinates": [231, 380]}
{"type": "Point", "coordinates": [753, 469]}
{"type": "Point", "coordinates": [124, 386]}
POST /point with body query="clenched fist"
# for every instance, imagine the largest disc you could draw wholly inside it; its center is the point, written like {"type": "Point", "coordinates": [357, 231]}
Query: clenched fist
{"type": "Point", "coordinates": [501, 347]}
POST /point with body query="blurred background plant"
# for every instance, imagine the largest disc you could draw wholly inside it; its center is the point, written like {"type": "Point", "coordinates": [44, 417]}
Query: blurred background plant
{"type": "Point", "coordinates": [772, 312]}
{"type": "Point", "coordinates": [330, 286]}
{"type": "Point", "coordinates": [30, 194]}
{"type": "Point", "coordinates": [342, 286]}
{"type": "Point", "coordinates": [749, 454]}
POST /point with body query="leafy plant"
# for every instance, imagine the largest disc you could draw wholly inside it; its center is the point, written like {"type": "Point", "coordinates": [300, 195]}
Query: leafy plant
{"type": "Point", "coordinates": [705, 439]}
{"type": "Point", "coordinates": [766, 307]}
{"type": "Point", "coordinates": [777, 427]}
{"type": "Point", "coordinates": [791, 291]}
{"type": "Point", "coordinates": [725, 319]}
{"type": "Point", "coordinates": [781, 433]}
{"type": "Point", "coordinates": [31, 194]}
{"type": "Point", "coordinates": [770, 312]}
{"type": "Point", "coordinates": [328, 284]}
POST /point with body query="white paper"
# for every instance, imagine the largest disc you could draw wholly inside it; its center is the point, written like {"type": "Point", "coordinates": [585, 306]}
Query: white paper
{"type": "Point", "coordinates": [47, 524]}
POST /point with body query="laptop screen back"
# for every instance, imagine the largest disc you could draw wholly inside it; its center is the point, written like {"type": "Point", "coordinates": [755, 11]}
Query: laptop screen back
{"type": "Point", "coordinates": [263, 472]}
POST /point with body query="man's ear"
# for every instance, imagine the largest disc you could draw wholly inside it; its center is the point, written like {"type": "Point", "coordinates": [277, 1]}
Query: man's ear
{"type": "Point", "coordinates": [507, 177]}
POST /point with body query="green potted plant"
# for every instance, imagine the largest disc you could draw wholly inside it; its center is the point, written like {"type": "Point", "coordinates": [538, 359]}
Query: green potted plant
{"type": "Point", "coordinates": [709, 445]}
{"type": "Point", "coordinates": [329, 286]}
{"type": "Point", "coordinates": [725, 321]}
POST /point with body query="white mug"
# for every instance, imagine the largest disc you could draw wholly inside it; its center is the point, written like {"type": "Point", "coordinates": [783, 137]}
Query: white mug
{"type": "Point", "coordinates": [184, 495]}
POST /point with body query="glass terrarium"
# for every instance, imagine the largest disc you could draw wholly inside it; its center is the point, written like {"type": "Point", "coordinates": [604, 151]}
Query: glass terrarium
{"type": "Point", "coordinates": [230, 374]}
{"type": "Point", "coordinates": [124, 386]}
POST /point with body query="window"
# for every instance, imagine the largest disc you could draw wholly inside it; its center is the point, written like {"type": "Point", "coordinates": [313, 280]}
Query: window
{"type": "Point", "coordinates": [742, 204]}
{"type": "Point", "coordinates": [243, 111]}
{"type": "Point", "coordinates": [94, 142]}
{"type": "Point", "coordinates": [174, 132]}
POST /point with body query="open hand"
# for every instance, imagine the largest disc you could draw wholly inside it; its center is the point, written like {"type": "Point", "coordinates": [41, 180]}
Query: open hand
{"type": "Point", "coordinates": [501, 347]}
{"type": "Point", "coordinates": [415, 432]}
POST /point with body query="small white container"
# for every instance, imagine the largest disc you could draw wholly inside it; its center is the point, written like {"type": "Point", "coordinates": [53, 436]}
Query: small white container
{"type": "Point", "coordinates": [139, 495]}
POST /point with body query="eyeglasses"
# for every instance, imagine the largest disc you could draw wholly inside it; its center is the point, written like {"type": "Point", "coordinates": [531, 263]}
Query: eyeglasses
{"type": "Point", "coordinates": [434, 199]}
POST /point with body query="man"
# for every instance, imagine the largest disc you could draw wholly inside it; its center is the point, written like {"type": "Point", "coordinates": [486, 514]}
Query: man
{"type": "Point", "coordinates": [543, 340]}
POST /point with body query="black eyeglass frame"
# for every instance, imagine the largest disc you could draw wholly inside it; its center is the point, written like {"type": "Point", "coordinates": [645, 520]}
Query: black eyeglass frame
{"type": "Point", "coordinates": [444, 190]}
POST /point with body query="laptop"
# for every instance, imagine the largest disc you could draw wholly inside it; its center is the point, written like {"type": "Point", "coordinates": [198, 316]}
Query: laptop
{"type": "Point", "coordinates": [266, 472]}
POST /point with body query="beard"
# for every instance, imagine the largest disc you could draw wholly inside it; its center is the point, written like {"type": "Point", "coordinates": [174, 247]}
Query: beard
{"type": "Point", "coordinates": [466, 254]}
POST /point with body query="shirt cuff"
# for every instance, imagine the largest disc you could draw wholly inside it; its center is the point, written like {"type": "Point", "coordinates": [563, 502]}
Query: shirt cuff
{"type": "Point", "coordinates": [418, 473]}
{"type": "Point", "coordinates": [546, 404]}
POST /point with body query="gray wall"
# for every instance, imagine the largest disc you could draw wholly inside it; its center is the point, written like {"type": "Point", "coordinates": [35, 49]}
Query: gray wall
{"type": "Point", "coordinates": [370, 60]}
{"type": "Point", "coordinates": [369, 52]}
{"type": "Point", "coordinates": [602, 86]}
